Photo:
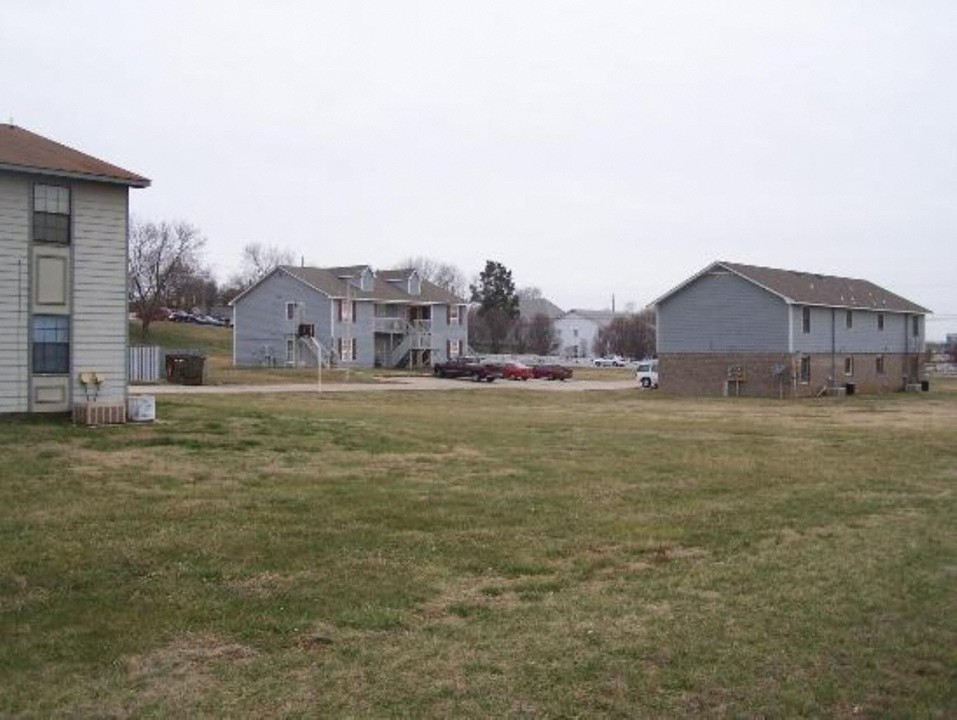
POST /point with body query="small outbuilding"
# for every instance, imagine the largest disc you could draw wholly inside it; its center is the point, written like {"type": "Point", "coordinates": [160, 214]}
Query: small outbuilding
{"type": "Point", "coordinates": [735, 329]}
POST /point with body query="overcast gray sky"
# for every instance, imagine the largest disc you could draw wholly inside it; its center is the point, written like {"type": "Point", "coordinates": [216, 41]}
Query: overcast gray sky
{"type": "Point", "coordinates": [592, 147]}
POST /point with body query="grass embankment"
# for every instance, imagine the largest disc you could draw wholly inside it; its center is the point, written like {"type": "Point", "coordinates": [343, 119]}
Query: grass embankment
{"type": "Point", "coordinates": [216, 344]}
{"type": "Point", "coordinates": [484, 554]}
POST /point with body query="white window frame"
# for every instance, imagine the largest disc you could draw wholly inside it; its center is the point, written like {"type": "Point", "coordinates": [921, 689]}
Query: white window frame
{"type": "Point", "coordinates": [347, 349]}
{"type": "Point", "coordinates": [347, 311]}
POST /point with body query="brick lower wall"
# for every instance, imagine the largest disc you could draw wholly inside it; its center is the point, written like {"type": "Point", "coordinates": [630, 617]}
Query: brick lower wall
{"type": "Point", "coordinates": [753, 374]}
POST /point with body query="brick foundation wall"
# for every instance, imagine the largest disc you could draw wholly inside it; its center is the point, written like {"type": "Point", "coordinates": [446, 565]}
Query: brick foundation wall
{"type": "Point", "coordinates": [712, 374]}
{"type": "Point", "coordinates": [706, 374]}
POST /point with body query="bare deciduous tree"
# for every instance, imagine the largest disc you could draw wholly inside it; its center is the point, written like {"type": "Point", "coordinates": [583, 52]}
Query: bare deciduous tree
{"type": "Point", "coordinates": [540, 335]}
{"type": "Point", "coordinates": [257, 261]}
{"type": "Point", "coordinates": [443, 274]}
{"type": "Point", "coordinates": [161, 255]}
{"type": "Point", "coordinates": [628, 335]}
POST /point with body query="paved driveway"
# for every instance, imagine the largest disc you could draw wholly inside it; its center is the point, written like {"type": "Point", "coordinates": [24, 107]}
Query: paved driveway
{"type": "Point", "coordinates": [390, 385]}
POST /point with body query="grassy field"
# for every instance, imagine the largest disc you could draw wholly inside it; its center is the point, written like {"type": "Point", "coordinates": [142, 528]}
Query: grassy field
{"type": "Point", "coordinates": [614, 554]}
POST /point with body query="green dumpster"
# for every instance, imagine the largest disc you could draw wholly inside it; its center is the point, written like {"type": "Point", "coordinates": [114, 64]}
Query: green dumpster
{"type": "Point", "coordinates": [185, 369]}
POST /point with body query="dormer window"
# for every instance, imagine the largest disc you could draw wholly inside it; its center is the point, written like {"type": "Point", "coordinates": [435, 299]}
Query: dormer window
{"type": "Point", "coordinates": [366, 280]}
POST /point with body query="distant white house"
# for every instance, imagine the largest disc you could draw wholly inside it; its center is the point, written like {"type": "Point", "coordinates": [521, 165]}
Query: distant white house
{"type": "Point", "coordinates": [577, 330]}
{"type": "Point", "coordinates": [63, 277]}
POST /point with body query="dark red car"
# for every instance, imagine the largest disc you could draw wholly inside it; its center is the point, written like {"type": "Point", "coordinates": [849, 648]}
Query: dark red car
{"type": "Point", "coordinates": [551, 372]}
{"type": "Point", "coordinates": [516, 371]}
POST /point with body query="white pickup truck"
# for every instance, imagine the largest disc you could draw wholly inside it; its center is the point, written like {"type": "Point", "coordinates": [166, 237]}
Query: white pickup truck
{"type": "Point", "coordinates": [647, 373]}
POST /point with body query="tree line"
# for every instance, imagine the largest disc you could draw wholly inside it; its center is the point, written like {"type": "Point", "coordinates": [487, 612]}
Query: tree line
{"type": "Point", "coordinates": [167, 271]}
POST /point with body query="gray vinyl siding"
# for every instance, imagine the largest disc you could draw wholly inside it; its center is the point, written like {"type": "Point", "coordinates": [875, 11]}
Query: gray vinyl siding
{"type": "Point", "coordinates": [362, 329]}
{"type": "Point", "coordinates": [260, 324]}
{"type": "Point", "coordinates": [442, 332]}
{"type": "Point", "coordinates": [830, 324]}
{"type": "Point", "coordinates": [100, 325]}
{"type": "Point", "coordinates": [14, 292]}
{"type": "Point", "coordinates": [722, 313]}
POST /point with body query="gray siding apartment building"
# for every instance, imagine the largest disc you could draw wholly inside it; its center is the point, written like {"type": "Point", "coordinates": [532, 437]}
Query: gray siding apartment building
{"type": "Point", "coordinates": [63, 277]}
{"type": "Point", "coordinates": [747, 330]}
{"type": "Point", "coordinates": [347, 316]}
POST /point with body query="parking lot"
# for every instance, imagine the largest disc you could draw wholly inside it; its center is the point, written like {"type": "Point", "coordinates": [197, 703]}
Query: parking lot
{"type": "Point", "coordinates": [390, 384]}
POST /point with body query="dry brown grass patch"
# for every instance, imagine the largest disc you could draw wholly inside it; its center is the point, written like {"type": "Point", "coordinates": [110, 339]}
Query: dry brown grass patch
{"type": "Point", "coordinates": [185, 669]}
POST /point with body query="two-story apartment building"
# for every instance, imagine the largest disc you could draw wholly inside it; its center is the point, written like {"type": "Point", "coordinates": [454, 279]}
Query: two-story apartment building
{"type": "Point", "coordinates": [736, 329]}
{"type": "Point", "coordinates": [349, 316]}
{"type": "Point", "coordinates": [64, 219]}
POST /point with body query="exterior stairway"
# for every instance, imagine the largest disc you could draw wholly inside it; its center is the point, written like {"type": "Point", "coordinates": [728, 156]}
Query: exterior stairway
{"type": "Point", "coordinates": [416, 335]}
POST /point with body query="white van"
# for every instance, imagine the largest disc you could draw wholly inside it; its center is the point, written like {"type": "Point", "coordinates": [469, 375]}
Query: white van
{"type": "Point", "coordinates": [647, 373]}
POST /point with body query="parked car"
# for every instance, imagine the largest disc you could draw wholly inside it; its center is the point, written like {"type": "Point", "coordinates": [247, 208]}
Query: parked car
{"type": "Point", "coordinates": [610, 361]}
{"type": "Point", "coordinates": [647, 373]}
{"type": "Point", "coordinates": [551, 372]}
{"type": "Point", "coordinates": [180, 316]}
{"type": "Point", "coordinates": [516, 371]}
{"type": "Point", "coordinates": [470, 367]}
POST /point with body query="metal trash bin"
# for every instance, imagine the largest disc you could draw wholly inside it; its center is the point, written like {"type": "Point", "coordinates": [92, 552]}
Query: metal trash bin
{"type": "Point", "coordinates": [183, 369]}
{"type": "Point", "coordinates": [925, 385]}
{"type": "Point", "coordinates": [849, 388]}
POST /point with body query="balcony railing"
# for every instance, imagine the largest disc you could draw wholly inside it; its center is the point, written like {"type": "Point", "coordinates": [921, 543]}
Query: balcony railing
{"type": "Point", "coordinates": [401, 326]}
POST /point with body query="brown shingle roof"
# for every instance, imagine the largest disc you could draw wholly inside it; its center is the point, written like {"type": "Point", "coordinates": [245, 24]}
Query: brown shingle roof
{"type": "Point", "coordinates": [804, 288]}
{"type": "Point", "coordinates": [23, 150]}
{"type": "Point", "coordinates": [530, 307]}
{"type": "Point", "coordinates": [329, 282]}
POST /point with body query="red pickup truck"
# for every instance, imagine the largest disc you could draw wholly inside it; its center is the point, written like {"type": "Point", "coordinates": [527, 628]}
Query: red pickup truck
{"type": "Point", "coordinates": [468, 367]}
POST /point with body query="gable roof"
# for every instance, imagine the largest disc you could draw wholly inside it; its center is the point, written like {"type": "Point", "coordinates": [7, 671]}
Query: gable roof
{"type": "Point", "coordinates": [599, 317]}
{"type": "Point", "coordinates": [24, 151]}
{"type": "Point", "coordinates": [330, 282]}
{"type": "Point", "coordinates": [805, 288]}
{"type": "Point", "coordinates": [392, 275]}
{"type": "Point", "coordinates": [530, 307]}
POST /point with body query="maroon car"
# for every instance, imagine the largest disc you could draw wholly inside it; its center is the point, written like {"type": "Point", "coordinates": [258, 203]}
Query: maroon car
{"type": "Point", "coordinates": [516, 371]}
{"type": "Point", "coordinates": [551, 372]}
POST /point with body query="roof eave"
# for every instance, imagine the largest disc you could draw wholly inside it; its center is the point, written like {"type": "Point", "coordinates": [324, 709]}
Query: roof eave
{"type": "Point", "coordinates": [138, 182]}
